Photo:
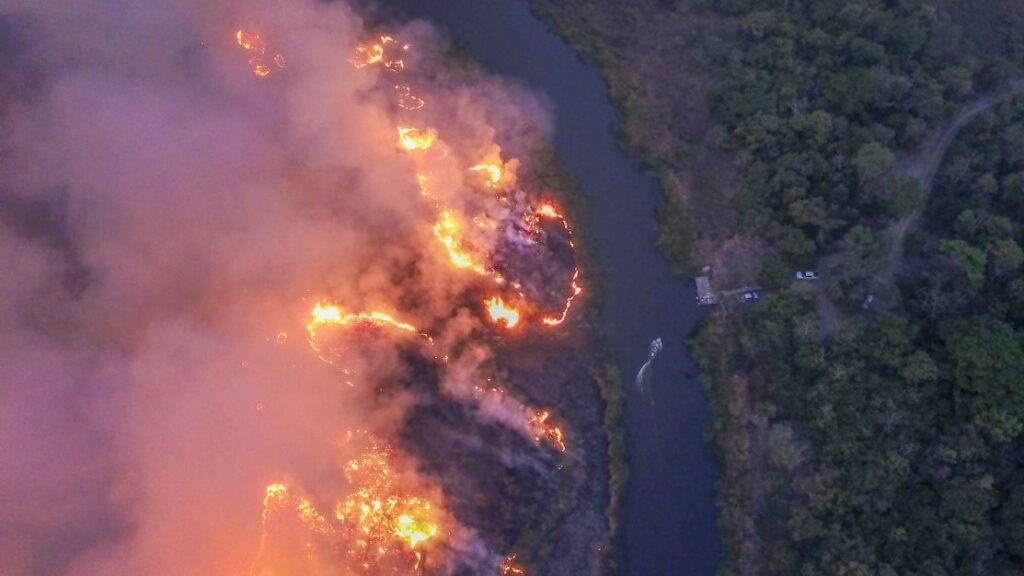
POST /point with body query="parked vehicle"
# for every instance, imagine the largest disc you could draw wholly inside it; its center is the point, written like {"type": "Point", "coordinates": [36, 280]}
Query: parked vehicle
{"type": "Point", "coordinates": [807, 275]}
{"type": "Point", "coordinates": [750, 297]}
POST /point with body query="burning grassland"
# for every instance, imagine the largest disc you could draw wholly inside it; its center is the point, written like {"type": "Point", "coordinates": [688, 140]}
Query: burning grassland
{"type": "Point", "coordinates": [249, 173]}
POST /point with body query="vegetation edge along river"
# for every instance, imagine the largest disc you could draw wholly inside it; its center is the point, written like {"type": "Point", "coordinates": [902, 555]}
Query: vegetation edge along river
{"type": "Point", "coordinates": [668, 516]}
{"type": "Point", "coordinates": [855, 434]}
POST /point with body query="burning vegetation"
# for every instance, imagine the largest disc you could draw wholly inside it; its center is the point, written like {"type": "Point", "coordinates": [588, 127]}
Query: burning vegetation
{"type": "Point", "coordinates": [264, 255]}
{"type": "Point", "coordinates": [259, 61]}
{"type": "Point", "coordinates": [381, 527]}
{"type": "Point", "coordinates": [489, 227]}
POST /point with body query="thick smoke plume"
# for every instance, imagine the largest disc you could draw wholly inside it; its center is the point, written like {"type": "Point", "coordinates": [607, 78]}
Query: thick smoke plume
{"type": "Point", "coordinates": [175, 202]}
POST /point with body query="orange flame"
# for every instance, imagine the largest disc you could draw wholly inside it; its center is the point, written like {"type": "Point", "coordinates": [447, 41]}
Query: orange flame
{"type": "Point", "coordinates": [447, 230]}
{"type": "Point", "coordinates": [543, 429]}
{"type": "Point", "coordinates": [577, 289]}
{"type": "Point", "coordinates": [406, 99]}
{"type": "Point", "coordinates": [253, 43]}
{"type": "Point", "coordinates": [416, 138]}
{"type": "Point", "coordinates": [375, 52]}
{"type": "Point", "coordinates": [499, 312]}
{"type": "Point", "coordinates": [548, 211]}
{"type": "Point", "coordinates": [276, 500]}
{"type": "Point", "coordinates": [423, 181]}
{"type": "Point", "coordinates": [324, 313]}
{"type": "Point", "coordinates": [381, 521]}
{"type": "Point", "coordinates": [379, 509]}
{"type": "Point", "coordinates": [367, 55]}
{"type": "Point", "coordinates": [492, 172]}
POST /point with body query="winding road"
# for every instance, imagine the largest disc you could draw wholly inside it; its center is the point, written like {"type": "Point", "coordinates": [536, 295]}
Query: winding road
{"type": "Point", "coordinates": [924, 165]}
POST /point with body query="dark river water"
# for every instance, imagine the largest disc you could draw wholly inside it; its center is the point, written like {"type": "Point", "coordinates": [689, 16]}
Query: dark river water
{"type": "Point", "coordinates": [670, 516]}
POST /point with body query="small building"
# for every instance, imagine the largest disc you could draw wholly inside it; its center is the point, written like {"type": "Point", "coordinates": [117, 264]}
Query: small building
{"type": "Point", "coordinates": [705, 296]}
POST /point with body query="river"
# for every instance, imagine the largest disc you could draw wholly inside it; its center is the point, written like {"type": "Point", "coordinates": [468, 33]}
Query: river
{"type": "Point", "coordinates": [670, 523]}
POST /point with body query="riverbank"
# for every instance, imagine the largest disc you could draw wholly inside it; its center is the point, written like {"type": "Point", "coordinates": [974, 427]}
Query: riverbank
{"type": "Point", "coordinates": [552, 174]}
{"type": "Point", "coordinates": [659, 84]}
{"type": "Point", "coordinates": [668, 516]}
{"type": "Point", "coordinates": [814, 106]}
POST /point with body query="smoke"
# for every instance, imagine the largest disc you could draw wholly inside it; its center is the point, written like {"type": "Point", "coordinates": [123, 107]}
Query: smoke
{"type": "Point", "coordinates": [167, 221]}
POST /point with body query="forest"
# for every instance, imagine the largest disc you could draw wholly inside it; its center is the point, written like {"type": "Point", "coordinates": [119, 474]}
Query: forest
{"type": "Point", "coordinates": [893, 441]}
{"type": "Point", "coordinates": [894, 447]}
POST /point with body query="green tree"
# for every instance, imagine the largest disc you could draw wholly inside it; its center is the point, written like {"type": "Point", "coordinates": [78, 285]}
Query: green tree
{"type": "Point", "coordinates": [872, 160]}
{"type": "Point", "coordinates": [988, 374]}
{"type": "Point", "coordinates": [1005, 256]}
{"type": "Point", "coordinates": [970, 259]}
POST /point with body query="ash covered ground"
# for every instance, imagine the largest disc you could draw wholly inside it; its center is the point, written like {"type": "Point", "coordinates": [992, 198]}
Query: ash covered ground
{"type": "Point", "coordinates": [547, 507]}
{"type": "Point", "coordinates": [284, 293]}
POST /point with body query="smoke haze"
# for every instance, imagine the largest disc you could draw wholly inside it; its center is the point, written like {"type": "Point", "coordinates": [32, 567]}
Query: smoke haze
{"type": "Point", "coordinates": [168, 221]}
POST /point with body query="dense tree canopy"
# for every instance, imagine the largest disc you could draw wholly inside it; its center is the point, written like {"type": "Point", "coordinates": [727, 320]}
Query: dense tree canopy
{"type": "Point", "coordinates": [855, 444]}
{"type": "Point", "coordinates": [895, 446]}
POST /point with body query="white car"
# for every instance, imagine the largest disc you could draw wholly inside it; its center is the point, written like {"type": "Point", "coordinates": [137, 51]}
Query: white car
{"type": "Point", "coordinates": [807, 275]}
{"type": "Point", "coordinates": [749, 297]}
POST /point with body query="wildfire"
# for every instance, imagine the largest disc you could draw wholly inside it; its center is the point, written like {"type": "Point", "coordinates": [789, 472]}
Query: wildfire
{"type": "Point", "coordinates": [500, 312]}
{"type": "Point", "coordinates": [544, 429]}
{"type": "Point", "coordinates": [577, 289]}
{"type": "Point", "coordinates": [447, 230]}
{"type": "Point", "coordinates": [492, 172]}
{"type": "Point", "coordinates": [510, 568]}
{"type": "Point", "coordinates": [424, 182]}
{"type": "Point", "coordinates": [406, 99]}
{"type": "Point", "coordinates": [253, 43]}
{"type": "Point", "coordinates": [278, 500]}
{"type": "Point", "coordinates": [380, 523]}
{"type": "Point", "coordinates": [324, 313]}
{"type": "Point", "coordinates": [367, 55]}
{"type": "Point", "coordinates": [375, 52]}
{"type": "Point", "coordinates": [416, 138]}
{"type": "Point", "coordinates": [548, 211]}
{"type": "Point", "coordinates": [384, 521]}
{"type": "Point", "coordinates": [382, 516]}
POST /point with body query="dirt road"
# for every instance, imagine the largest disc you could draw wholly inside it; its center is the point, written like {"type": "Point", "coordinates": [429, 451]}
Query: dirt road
{"type": "Point", "coordinates": [924, 164]}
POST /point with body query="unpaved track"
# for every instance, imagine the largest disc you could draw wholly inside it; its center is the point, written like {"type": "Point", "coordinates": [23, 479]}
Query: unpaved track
{"type": "Point", "coordinates": [924, 164]}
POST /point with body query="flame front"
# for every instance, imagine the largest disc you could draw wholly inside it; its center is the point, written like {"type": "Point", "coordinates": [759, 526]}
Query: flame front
{"type": "Point", "coordinates": [384, 520]}
{"type": "Point", "coordinates": [326, 313]}
{"type": "Point", "coordinates": [577, 289]}
{"type": "Point", "coordinates": [548, 210]}
{"type": "Point", "coordinates": [500, 312]}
